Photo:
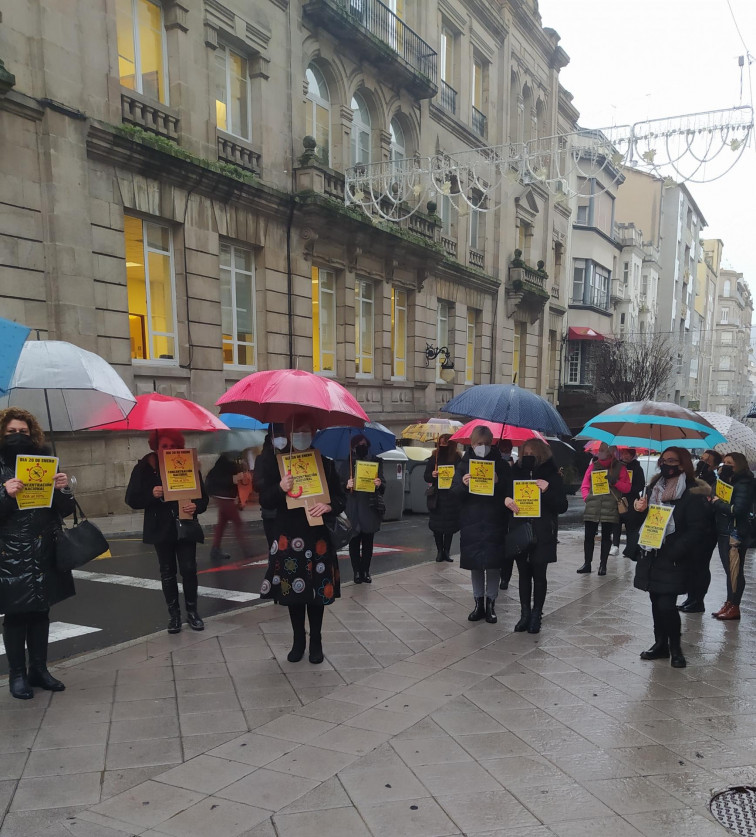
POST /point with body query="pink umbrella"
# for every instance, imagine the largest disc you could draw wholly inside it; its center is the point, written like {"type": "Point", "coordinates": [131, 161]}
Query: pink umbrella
{"type": "Point", "coordinates": [516, 435]}
{"type": "Point", "coordinates": [592, 447]}
{"type": "Point", "coordinates": [163, 412]}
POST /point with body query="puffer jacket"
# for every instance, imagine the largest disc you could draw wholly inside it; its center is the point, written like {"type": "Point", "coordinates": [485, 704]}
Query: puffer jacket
{"type": "Point", "coordinates": [360, 504]}
{"type": "Point", "coordinates": [667, 570]}
{"type": "Point", "coordinates": [737, 512]}
{"type": "Point", "coordinates": [444, 517]}
{"type": "Point", "coordinates": [603, 508]}
{"type": "Point", "coordinates": [159, 516]}
{"type": "Point", "coordinates": [553, 503]}
{"type": "Point", "coordinates": [29, 580]}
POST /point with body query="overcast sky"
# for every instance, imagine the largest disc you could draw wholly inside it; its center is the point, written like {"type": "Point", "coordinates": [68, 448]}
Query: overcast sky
{"type": "Point", "coordinates": [647, 59]}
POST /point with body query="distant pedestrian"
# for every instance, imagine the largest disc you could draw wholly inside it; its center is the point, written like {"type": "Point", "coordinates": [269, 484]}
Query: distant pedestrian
{"type": "Point", "coordinates": [443, 503]}
{"type": "Point", "coordinates": [365, 510]}
{"type": "Point", "coordinates": [221, 486]}
{"type": "Point", "coordinates": [628, 518]}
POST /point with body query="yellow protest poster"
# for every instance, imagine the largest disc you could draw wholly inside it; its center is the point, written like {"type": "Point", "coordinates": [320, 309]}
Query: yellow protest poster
{"type": "Point", "coordinates": [599, 483]}
{"type": "Point", "coordinates": [445, 477]}
{"type": "Point", "coordinates": [365, 474]}
{"type": "Point", "coordinates": [180, 473]}
{"type": "Point", "coordinates": [654, 527]}
{"type": "Point", "coordinates": [481, 477]}
{"type": "Point", "coordinates": [724, 491]}
{"type": "Point", "coordinates": [37, 473]}
{"type": "Point", "coordinates": [307, 470]}
{"type": "Point", "coordinates": [527, 495]}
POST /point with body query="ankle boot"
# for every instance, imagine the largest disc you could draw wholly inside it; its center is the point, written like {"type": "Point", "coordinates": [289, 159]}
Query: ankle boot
{"type": "Point", "coordinates": [171, 594]}
{"type": "Point", "coordinates": [174, 620]}
{"type": "Point", "coordinates": [366, 577]}
{"type": "Point", "coordinates": [478, 612]}
{"type": "Point", "coordinates": [14, 637]}
{"type": "Point", "coordinates": [676, 654]}
{"type": "Point", "coordinates": [217, 554]}
{"type": "Point", "coordinates": [658, 651]}
{"type": "Point", "coordinates": [586, 568]}
{"type": "Point", "coordinates": [37, 634]}
{"type": "Point", "coordinates": [491, 611]}
{"type": "Point", "coordinates": [315, 615]}
{"type": "Point", "coordinates": [689, 601]}
{"type": "Point", "coordinates": [522, 625]}
{"type": "Point", "coordinates": [297, 617]}
{"type": "Point", "coordinates": [316, 650]}
{"type": "Point", "coordinates": [439, 556]}
{"type": "Point", "coordinates": [602, 567]}
{"type": "Point", "coordinates": [446, 557]}
{"type": "Point", "coordinates": [721, 610]}
{"type": "Point", "coordinates": [192, 617]}
{"type": "Point", "coordinates": [730, 613]}
{"type": "Point", "coordinates": [535, 621]}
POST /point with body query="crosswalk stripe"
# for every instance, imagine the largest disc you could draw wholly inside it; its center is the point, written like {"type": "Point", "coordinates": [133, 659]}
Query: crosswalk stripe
{"type": "Point", "coordinates": [63, 630]}
{"type": "Point", "coordinates": [151, 584]}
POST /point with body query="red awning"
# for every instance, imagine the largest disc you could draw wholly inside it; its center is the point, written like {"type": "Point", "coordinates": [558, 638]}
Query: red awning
{"type": "Point", "coordinates": [583, 333]}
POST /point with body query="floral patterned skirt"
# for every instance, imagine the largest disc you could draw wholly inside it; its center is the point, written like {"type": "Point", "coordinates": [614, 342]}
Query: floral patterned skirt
{"type": "Point", "coordinates": [302, 566]}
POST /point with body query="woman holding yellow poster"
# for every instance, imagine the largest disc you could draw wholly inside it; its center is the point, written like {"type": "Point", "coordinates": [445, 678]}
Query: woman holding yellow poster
{"type": "Point", "coordinates": [537, 469]}
{"type": "Point", "coordinates": [483, 518]}
{"type": "Point", "coordinates": [663, 571]}
{"type": "Point", "coordinates": [443, 504]}
{"type": "Point", "coordinates": [364, 505]}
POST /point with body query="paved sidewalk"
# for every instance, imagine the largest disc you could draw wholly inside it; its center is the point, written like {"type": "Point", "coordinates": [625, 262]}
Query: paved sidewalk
{"type": "Point", "coordinates": [419, 723]}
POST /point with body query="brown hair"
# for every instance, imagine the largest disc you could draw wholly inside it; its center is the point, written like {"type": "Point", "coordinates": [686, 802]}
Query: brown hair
{"type": "Point", "coordinates": [176, 436]}
{"type": "Point", "coordinates": [686, 463]}
{"type": "Point", "coordinates": [35, 430]}
{"type": "Point", "coordinates": [741, 463]}
{"type": "Point", "coordinates": [540, 449]}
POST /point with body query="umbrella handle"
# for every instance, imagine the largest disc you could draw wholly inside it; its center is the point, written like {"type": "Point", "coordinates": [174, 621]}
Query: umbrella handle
{"type": "Point", "coordinates": [295, 494]}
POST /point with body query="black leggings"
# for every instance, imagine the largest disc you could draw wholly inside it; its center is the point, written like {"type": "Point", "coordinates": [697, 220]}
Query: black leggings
{"type": "Point", "coordinates": [364, 540]}
{"type": "Point", "coordinates": [28, 617]}
{"type": "Point", "coordinates": [443, 541]}
{"type": "Point", "coordinates": [532, 582]}
{"type": "Point", "coordinates": [666, 618]}
{"type": "Point", "coordinates": [315, 614]}
{"type": "Point", "coordinates": [591, 528]}
{"type": "Point", "coordinates": [181, 555]}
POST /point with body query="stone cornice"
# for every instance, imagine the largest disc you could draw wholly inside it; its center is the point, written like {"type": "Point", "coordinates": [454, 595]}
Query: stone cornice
{"type": "Point", "coordinates": [468, 277]}
{"type": "Point", "coordinates": [22, 105]}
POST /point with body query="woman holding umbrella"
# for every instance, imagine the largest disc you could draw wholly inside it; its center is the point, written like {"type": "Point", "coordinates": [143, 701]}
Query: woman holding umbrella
{"type": "Point", "coordinates": [733, 523]}
{"type": "Point", "coordinates": [364, 510]}
{"type": "Point", "coordinates": [303, 568]}
{"type": "Point", "coordinates": [443, 504]}
{"type": "Point", "coordinates": [145, 491]}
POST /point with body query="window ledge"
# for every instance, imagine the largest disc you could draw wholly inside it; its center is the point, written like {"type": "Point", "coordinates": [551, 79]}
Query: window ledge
{"type": "Point", "coordinates": [166, 369]}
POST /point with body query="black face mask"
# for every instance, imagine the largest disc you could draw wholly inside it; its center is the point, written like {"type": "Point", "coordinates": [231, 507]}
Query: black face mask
{"type": "Point", "coordinates": [668, 471]}
{"type": "Point", "coordinates": [17, 444]}
{"type": "Point", "coordinates": [528, 462]}
{"type": "Point", "coordinates": [361, 450]}
{"type": "Point", "coordinates": [701, 468]}
{"type": "Point", "coordinates": [726, 472]}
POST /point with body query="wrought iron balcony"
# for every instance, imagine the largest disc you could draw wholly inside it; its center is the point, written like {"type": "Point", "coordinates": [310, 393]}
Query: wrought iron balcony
{"type": "Point", "coordinates": [448, 97]}
{"type": "Point", "coordinates": [383, 38]}
{"type": "Point", "coordinates": [479, 122]}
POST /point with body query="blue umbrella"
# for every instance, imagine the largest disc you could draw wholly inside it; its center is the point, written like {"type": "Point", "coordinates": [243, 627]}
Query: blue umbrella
{"type": "Point", "coordinates": [508, 404]}
{"type": "Point", "coordinates": [236, 421]}
{"type": "Point", "coordinates": [335, 442]}
{"type": "Point", "coordinates": [12, 338]}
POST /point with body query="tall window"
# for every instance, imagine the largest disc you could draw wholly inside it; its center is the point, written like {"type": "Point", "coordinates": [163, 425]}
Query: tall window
{"type": "Point", "coordinates": [150, 288]}
{"type": "Point", "coordinates": [398, 147]}
{"type": "Point", "coordinates": [590, 284]}
{"type": "Point", "coordinates": [446, 58]}
{"type": "Point", "coordinates": [442, 333]}
{"type": "Point", "coordinates": [364, 332]}
{"type": "Point", "coordinates": [477, 84]}
{"type": "Point", "coordinates": [574, 353]}
{"type": "Point", "coordinates": [237, 281]}
{"type": "Point", "coordinates": [726, 287]}
{"type": "Point", "coordinates": [519, 352]}
{"type": "Point", "coordinates": [470, 355]}
{"type": "Point", "coordinates": [444, 212]}
{"type": "Point", "coordinates": [318, 116]}
{"type": "Point", "coordinates": [398, 333]}
{"type": "Point", "coordinates": [323, 320]}
{"type": "Point", "coordinates": [477, 226]}
{"type": "Point", "coordinates": [141, 48]}
{"type": "Point", "coordinates": [723, 387]}
{"type": "Point", "coordinates": [231, 92]}
{"type": "Point", "coordinates": [360, 138]}
{"type": "Point", "coordinates": [724, 316]}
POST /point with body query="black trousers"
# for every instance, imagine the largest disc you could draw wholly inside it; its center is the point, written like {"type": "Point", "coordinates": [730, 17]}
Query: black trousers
{"type": "Point", "coordinates": [533, 583]}
{"type": "Point", "coordinates": [270, 529]}
{"type": "Point", "coordinates": [591, 528]}
{"type": "Point", "coordinates": [180, 556]}
{"type": "Point", "coordinates": [443, 541]}
{"type": "Point", "coordinates": [361, 552]}
{"type": "Point", "coordinates": [666, 618]}
{"type": "Point", "coordinates": [734, 593]}
{"type": "Point", "coordinates": [29, 617]}
{"type": "Point", "coordinates": [699, 571]}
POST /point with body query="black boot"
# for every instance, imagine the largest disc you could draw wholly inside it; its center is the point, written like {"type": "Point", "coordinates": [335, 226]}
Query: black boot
{"type": "Point", "coordinates": [658, 651]}
{"type": "Point", "coordinates": [171, 594]}
{"type": "Point", "coordinates": [297, 617]}
{"type": "Point", "coordinates": [14, 637]}
{"type": "Point", "coordinates": [693, 607]}
{"type": "Point", "coordinates": [447, 548]}
{"type": "Point", "coordinates": [675, 652]}
{"type": "Point", "coordinates": [535, 621]}
{"type": "Point", "coordinates": [315, 618]}
{"type": "Point", "coordinates": [689, 601]}
{"type": "Point", "coordinates": [366, 577]}
{"type": "Point", "coordinates": [491, 611]}
{"type": "Point", "coordinates": [37, 634]}
{"type": "Point", "coordinates": [602, 567]}
{"type": "Point", "coordinates": [174, 619]}
{"type": "Point", "coordinates": [192, 617]}
{"type": "Point", "coordinates": [479, 610]}
{"type": "Point", "coordinates": [506, 574]}
{"type": "Point", "coordinates": [524, 622]}
{"type": "Point", "coordinates": [439, 556]}
{"type": "Point", "coordinates": [586, 568]}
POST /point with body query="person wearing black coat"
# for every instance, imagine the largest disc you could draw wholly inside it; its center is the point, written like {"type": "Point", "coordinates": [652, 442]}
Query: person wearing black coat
{"type": "Point", "coordinates": [145, 491]}
{"type": "Point", "coordinates": [663, 573]}
{"type": "Point", "coordinates": [275, 442]}
{"type": "Point", "coordinates": [733, 530]}
{"type": "Point", "coordinates": [537, 463]}
{"type": "Point", "coordinates": [637, 484]}
{"type": "Point", "coordinates": [30, 583]}
{"type": "Point", "coordinates": [443, 503]}
{"type": "Point", "coordinates": [363, 509]}
{"type": "Point", "coordinates": [483, 523]}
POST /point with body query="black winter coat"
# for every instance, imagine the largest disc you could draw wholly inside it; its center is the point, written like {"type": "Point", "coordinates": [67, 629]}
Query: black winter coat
{"type": "Point", "coordinates": [483, 520]}
{"type": "Point", "coordinates": [553, 503]}
{"type": "Point", "coordinates": [159, 516]}
{"type": "Point", "coordinates": [736, 514]}
{"type": "Point", "coordinates": [29, 580]}
{"type": "Point", "coordinates": [667, 570]}
{"type": "Point", "coordinates": [359, 504]}
{"type": "Point", "coordinates": [638, 480]}
{"type": "Point", "coordinates": [220, 478]}
{"type": "Point", "coordinates": [444, 518]}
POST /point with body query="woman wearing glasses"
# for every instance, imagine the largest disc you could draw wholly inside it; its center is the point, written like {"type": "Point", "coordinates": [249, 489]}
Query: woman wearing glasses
{"type": "Point", "coordinates": [663, 572]}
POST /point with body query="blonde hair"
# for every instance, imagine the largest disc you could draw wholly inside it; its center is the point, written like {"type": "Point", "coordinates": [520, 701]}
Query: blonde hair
{"type": "Point", "coordinates": [540, 449]}
{"type": "Point", "coordinates": [481, 435]}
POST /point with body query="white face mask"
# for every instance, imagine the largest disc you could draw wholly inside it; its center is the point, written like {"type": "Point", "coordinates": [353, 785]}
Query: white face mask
{"type": "Point", "coordinates": [481, 450]}
{"type": "Point", "coordinates": [280, 442]}
{"type": "Point", "coordinates": [301, 441]}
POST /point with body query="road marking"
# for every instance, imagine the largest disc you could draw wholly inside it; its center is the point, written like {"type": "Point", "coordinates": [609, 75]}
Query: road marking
{"type": "Point", "coordinates": [151, 584]}
{"type": "Point", "coordinates": [63, 630]}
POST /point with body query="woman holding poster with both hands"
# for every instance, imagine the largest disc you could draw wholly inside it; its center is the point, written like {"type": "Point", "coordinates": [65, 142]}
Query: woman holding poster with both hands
{"type": "Point", "coordinates": [364, 507]}
{"type": "Point", "coordinates": [443, 505]}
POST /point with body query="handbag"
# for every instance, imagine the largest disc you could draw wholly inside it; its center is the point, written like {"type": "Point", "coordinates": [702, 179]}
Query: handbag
{"type": "Point", "coordinates": [189, 530]}
{"type": "Point", "coordinates": [519, 540]}
{"type": "Point", "coordinates": [431, 497]}
{"type": "Point", "coordinates": [340, 530]}
{"type": "Point", "coordinates": [82, 543]}
{"type": "Point", "coordinates": [623, 506]}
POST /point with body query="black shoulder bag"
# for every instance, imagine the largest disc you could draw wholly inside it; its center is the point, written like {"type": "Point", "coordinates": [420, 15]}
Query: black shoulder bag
{"type": "Point", "coordinates": [80, 544]}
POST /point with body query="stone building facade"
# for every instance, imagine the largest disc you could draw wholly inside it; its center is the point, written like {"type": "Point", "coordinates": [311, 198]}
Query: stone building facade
{"type": "Point", "coordinates": [161, 207]}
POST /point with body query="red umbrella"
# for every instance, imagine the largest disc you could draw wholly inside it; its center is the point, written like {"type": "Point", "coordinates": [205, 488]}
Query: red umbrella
{"type": "Point", "coordinates": [517, 435]}
{"type": "Point", "coordinates": [276, 394]}
{"type": "Point", "coordinates": [162, 412]}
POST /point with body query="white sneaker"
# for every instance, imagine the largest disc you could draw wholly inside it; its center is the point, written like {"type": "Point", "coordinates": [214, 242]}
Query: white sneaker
{"type": "Point", "coordinates": [614, 550]}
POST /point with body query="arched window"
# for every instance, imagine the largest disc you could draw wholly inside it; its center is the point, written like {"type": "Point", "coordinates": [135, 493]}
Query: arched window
{"type": "Point", "coordinates": [398, 144]}
{"type": "Point", "coordinates": [527, 116]}
{"type": "Point", "coordinates": [318, 116]}
{"type": "Point", "coordinates": [514, 110]}
{"type": "Point", "coordinates": [361, 139]}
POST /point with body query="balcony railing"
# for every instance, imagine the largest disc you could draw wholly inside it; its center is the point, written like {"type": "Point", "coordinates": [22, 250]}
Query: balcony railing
{"type": "Point", "coordinates": [477, 259]}
{"type": "Point", "coordinates": [148, 116]}
{"type": "Point", "coordinates": [238, 153]}
{"type": "Point", "coordinates": [479, 122]}
{"type": "Point", "coordinates": [448, 98]}
{"type": "Point", "coordinates": [377, 27]}
{"type": "Point", "coordinates": [450, 246]}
